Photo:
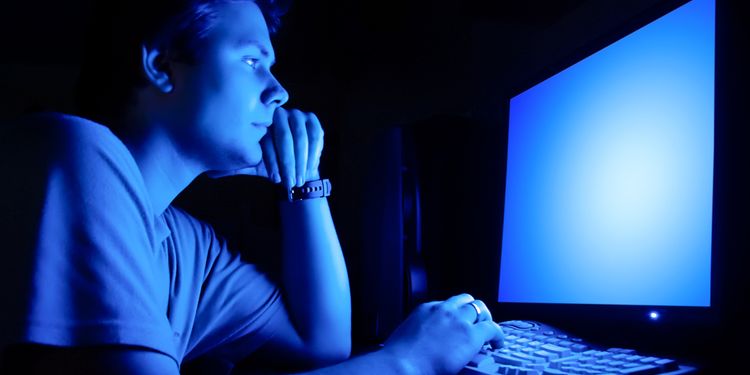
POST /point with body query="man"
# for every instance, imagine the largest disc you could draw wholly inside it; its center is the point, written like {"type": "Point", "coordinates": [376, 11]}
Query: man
{"type": "Point", "coordinates": [108, 277]}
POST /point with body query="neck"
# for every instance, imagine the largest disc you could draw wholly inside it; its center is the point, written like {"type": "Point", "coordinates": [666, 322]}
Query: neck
{"type": "Point", "coordinates": [165, 171]}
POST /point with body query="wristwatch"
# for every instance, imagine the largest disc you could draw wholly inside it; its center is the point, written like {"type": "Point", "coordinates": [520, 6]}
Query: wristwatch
{"type": "Point", "coordinates": [311, 189]}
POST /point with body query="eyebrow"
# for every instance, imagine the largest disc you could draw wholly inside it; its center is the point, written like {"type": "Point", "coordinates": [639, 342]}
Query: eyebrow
{"type": "Point", "coordinates": [251, 42]}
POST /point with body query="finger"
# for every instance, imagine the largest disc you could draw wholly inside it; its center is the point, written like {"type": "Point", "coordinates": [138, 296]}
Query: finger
{"type": "Point", "coordinates": [284, 146]}
{"type": "Point", "coordinates": [315, 137]}
{"type": "Point", "coordinates": [484, 311]}
{"type": "Point", "coordinates": [468, 313]}
{"type": "Point", "coordinates": [428, 306]}
{"type": "Point", "coordinates": [458, 300]}
{"type": "Point", "coordinates": [269, 158]}
{"type": "Point", "coordinates": [297, 121]}
{"type": "Point", "coordinates": [491, 332]}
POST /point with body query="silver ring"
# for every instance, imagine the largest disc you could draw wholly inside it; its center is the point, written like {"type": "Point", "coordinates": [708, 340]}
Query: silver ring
{"type": "Point", "coordinates": [477, 309]}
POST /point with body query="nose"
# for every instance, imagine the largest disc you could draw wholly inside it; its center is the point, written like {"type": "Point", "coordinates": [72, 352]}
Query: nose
{"type": "Point", "coordinates": [275, 94]}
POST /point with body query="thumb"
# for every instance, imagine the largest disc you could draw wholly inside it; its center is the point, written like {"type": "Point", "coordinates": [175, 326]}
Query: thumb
{"type": "Point", "coordinates": [491, 332]}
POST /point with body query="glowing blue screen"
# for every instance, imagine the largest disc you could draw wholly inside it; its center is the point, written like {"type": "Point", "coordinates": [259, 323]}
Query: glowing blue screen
{"type": "Point", "coordinates": [610, 173]}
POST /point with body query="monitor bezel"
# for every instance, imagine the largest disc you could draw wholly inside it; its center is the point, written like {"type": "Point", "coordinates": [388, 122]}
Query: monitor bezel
{"type": "Point", "coordinates": [597, 322]}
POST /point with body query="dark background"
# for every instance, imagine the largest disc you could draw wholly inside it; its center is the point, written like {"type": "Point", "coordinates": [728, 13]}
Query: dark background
{"type": "Point", "coordinates": [378, 72]}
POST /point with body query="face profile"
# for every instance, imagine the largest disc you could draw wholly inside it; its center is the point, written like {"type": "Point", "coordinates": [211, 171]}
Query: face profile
{"type": "Point", "coordinates": [221, 105]}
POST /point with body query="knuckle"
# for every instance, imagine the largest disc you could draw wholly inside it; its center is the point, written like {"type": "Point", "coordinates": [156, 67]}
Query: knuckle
{"type": "Point", "coordinates": [424, 307]}
{"type": "Point", "coordinates": [315, 137]}
{"type": "Point", "coordinates": [298, 131]}
{"type": "Point", "coordinates": [298, 115]}
{"type": "Point", "coordinates": [444, 310]}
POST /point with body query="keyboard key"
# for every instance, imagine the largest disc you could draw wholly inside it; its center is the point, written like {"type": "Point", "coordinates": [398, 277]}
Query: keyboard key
{"type": "Point", "coordinates": [528, 358]}
{"type": "Point", "coordinates": [648, 360]}
{"type": "Point", "coordinates": [578, 348]}
{"type": "Point", "coordinates": [667, 364]}
{"type": "Point", "coordinates": [508, 360]}
{"type": "Point", "coordinates": [535, 344]}
{"type": "Point", "coordinates": [480, 360]}
{"type": "Point", "coordinates": [562, 352]}
{"type": "Point", "coordinates": [587, 359]}
{"type": "Point", "coordinates": [548, 356]}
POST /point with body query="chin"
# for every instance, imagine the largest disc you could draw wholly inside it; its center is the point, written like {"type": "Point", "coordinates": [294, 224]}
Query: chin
{"type": "Point", "coordinates": [252, 157]}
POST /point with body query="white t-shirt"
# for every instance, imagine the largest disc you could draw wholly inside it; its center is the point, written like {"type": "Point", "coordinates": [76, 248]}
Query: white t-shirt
{"type": "Point", "coordinates": [85, 261]}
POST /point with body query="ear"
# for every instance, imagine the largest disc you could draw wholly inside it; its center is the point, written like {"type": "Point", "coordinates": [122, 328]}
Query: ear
{"type": "Point", "coordinates": [156, 68]}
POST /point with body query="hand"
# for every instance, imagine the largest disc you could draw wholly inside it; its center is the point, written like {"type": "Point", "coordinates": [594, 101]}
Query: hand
{"type": "Point", "coordinates": [442, 337]}
{"type": "Point", "coordinates": [291, 150]}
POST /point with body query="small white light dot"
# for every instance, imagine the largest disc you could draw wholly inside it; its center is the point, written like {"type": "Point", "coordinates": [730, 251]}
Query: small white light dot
{"type": "Point", "coordinates": [653, 315]}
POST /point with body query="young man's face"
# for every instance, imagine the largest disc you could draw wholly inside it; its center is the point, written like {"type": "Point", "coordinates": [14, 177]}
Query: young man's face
{"type": "Point", "coordinates": [224, 102]}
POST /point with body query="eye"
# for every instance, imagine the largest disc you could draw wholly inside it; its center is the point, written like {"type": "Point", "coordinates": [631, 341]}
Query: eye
{"type": "Point", "coordinates": [253, 62]}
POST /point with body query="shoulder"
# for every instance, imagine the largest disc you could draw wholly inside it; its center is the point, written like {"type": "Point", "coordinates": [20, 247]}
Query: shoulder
{"type": "Point", "coordinates": [70, 162]}
{"type": "Point", "coordinates": [51, 140]}
{"type": "Point", "coordinates": [60, 131]}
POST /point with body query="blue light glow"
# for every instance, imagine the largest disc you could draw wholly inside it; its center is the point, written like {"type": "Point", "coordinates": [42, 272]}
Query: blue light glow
{"type": "Point", "coordinates": [653, 315]}
{"type": "Point", "coordinates": [610, 173]}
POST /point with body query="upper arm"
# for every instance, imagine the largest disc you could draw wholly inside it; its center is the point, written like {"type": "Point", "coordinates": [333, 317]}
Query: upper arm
{"type": "Point", "coordinates": [110, 360]}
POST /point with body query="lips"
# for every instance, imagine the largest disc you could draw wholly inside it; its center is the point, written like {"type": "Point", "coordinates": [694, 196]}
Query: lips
{"type": "Point", "coordinates": [263, 124]}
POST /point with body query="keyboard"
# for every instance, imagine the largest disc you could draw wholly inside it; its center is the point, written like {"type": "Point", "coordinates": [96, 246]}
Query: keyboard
{"type": "Point", "coordinates": [534, 348]}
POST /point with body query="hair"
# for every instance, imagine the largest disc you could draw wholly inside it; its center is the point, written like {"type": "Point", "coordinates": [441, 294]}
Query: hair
{"type": "Point", "coordinates": [111, 69]}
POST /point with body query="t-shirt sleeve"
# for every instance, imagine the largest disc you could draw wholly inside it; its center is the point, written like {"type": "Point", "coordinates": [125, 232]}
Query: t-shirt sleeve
{"type": "Point", "coordinates": [81, 267]}
{"type": "Point", "coordinates": [237, 308]}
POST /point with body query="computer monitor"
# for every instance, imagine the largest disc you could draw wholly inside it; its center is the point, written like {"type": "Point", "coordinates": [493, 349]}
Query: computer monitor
{"type": "Point", "coordinates": [607, 217]}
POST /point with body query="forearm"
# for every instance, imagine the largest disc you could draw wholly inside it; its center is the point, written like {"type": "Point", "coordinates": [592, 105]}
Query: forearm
{"type": "Point", "coordinates": [314, 276]}
{"type": "Point", "coordinates": [379, 362]}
